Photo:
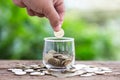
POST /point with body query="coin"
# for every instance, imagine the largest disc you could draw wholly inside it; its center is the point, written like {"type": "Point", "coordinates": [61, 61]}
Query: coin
{"type": "Point", "coordinates": [10, 69]}
{"type": "Point", "coordinates": [67, 74]}
{"type": "Point", "coordinates": [34, 66]}
{"type": "Point", "coordinates": [91, 69]}
{"type": "Point", "coordinates": [47, 72]}
{"type": "Point", "coordinates": [29, 70]}
{"type": "Point", "coordinates": [67, 62]}
{"type": "Point", "coordinates": [37, 73]}
{"type": "Point", "coordinates": [20, 66]}
{"type": "Point", "coordinates": [59, 60]}
{"type": "Point", "coordinates": [41, 65]}
{"type": "Point", "coordinates": [99, 72]}
{"type": "Point", "coordinates": [20, 73]}
{"type": "Point", "coordinates": [88, 74]}
{"type": "Point", "coordinates": [59, 34]}
{"type": "Point", "coordinates": [54, 61]}
{"type": "Point", "coordinates": [77, 69]}
{"type": "Point", "coordinates": [16, 70]}
{"type": "Point", "coordinates": [52, 51]}
{"type": "Point", "coordinates": [105, 68]}
{"type": "Point", "coordinates": [107, 71]}
{"type": "Point", "coordinates": [80, 66]}
{"type": "Point", "coordinates": [48, 56]}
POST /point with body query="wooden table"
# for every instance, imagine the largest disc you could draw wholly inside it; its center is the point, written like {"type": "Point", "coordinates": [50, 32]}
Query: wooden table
{"type": "Point", "coordinates": [6, 75]}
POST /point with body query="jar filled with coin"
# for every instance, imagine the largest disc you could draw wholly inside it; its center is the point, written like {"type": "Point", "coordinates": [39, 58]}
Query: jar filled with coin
{"type": "Point", "coordinates": [59, 53]}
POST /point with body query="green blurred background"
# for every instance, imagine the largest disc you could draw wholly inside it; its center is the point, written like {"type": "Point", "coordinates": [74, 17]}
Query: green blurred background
{"type": "Point", "coordinates": [96, 32]}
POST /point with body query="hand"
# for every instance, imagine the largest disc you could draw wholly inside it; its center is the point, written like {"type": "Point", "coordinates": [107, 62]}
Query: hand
{"type": "Point", "coordinates": [51, 9]}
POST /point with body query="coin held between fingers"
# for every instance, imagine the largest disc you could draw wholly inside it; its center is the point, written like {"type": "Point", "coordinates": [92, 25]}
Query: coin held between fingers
{"type": "Point", "coordinates": [59, 34]}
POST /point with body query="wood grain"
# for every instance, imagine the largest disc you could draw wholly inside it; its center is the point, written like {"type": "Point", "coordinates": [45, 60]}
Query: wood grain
{"type": "Point", "coordinates": [6, 75]}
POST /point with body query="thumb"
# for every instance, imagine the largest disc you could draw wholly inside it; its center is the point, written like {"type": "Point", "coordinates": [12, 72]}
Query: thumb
{"type": "Point", "coordinates": [54, 18]}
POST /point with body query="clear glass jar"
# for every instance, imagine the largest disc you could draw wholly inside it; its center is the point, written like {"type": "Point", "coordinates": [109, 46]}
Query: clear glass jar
{"type": "Point", "coordinates": [59, 53]}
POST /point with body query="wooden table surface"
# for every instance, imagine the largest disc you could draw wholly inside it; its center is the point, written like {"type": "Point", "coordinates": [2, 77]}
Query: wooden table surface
{"type": "Point", "coordinates": [6, 75]}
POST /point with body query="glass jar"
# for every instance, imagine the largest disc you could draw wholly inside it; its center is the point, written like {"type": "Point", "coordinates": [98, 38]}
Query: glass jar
{"type": "Point", "coordinates": [59, 53]}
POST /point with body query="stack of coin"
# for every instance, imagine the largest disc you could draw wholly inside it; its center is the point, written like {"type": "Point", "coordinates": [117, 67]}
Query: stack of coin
{"type": "Point", "coordinates": [57, 59]}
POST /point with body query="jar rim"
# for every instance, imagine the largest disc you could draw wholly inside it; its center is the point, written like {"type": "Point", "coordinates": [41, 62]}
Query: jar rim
{"type": "Point", "coordinates": [63, 39]}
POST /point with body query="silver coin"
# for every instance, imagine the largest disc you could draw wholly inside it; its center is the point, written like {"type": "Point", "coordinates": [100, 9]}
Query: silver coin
{"type": "Point", "coordinates": [41, 65]}
{"type": "Point", "coordinates": [20, 73]}
{"type": "Point", "coordinates": [59, 34]}
{"type": "Point", "coordinates": [16, 70]}
{"type": "Point", "coordinates": [88, 74]}
{"type": "Point", "coordinates": [47, 72]}
{"type": "Point", "coordinates": [29, 70]}
{"type": "Point", "coordinates": [108, 71]}
{"type": "Point", "coordinates": [80, 66]}
{"type": "Point", "coordinates": [48, 56]}
{"type": "Point", "coordinates": [105, 68]}
{"type": "Point", "coordinates": [99, 72]}
{"type": "Point", "coordinates": [10, 69]}
{"type": "Point", "coordinates": [26, 67]}
{"type": "Point", "coordinates": [35, 66]}
{"type": "Point", "coordinates": [68, 74]}
{"type": "Point", "coordinates": [52, 51]}
{"type": "Point", "coordinates": [37, 73]}
{"type": "Point", "coordinates": [92, 69]}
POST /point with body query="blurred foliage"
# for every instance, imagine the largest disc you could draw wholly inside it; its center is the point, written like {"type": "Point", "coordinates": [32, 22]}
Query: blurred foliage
{"type": "Point", "coordinates": [90, 42]}
{"type": "Point", "coordinates": [22, 36]}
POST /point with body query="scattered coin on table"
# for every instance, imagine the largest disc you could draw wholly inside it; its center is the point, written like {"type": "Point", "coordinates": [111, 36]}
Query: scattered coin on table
{"type": "Point", "coordinates": [76, 70]}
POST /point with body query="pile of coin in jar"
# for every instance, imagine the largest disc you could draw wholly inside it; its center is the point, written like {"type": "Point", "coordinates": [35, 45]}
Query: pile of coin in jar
{"type": "Point", "coordinates": [58, 59]}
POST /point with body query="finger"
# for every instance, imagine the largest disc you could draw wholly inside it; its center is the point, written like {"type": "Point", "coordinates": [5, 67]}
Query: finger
{"type": "Point", "coordinates": [39, 15]}
{"type": "Point", "coordinates": [33, 13]}
{"type": "Point", "coordinates": [53, 17]}
{"type": "Point", "coordinates": [60, 8]}
{"type": "Point", "coordinates": [30, 12]}
{"type": "Point", "coordinates": [19, 3]}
